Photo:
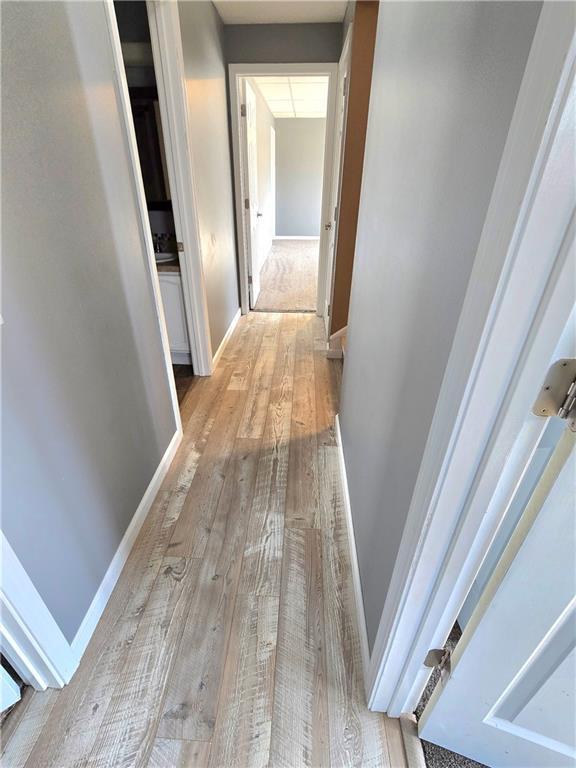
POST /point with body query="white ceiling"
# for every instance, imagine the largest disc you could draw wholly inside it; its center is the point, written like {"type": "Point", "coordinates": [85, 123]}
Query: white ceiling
{"type": "Point", "coordinates": [280, 11]}
{"type": "Point", "coordinates": [303, 96]}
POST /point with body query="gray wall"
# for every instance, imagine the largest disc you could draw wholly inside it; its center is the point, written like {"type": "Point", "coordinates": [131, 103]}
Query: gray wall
{"type": "Point", "coordinates": [86, 405]}
{"type": "Point", "coordinates": [282, 43]}
{"type": "Point", "coordinates": [446, 77]}
{"type": "Point", "coordinates": [299, 172]}
{"type": "Point", "coordinates": [266, 191]}
{"type": "Point", "coordinates": [207, 103]}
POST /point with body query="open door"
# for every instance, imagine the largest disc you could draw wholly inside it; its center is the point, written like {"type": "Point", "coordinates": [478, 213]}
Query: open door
{"type": "Point", "coordinates": [251, 211]}
{"type": "Point", "coordinates": [339, 138]}
{"type": "Point", "coordinates": [509, 699]}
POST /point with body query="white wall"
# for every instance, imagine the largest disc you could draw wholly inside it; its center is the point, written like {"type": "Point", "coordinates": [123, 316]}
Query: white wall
{"type": "Point", "coordinates": [299, 174]}
{"type": "Point", "coordinates": [86, 406]}
{"type": "Point", "coordinates": [266, 193]}
{"type": "Point", "coordinates": [208, 109]}
{"type": "Point", "coordinates": [445, 81]}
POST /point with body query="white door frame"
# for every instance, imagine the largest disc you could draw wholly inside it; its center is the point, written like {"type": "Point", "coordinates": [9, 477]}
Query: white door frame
{"type": "Point", "coordinates": [513, 306]}
{"type": "Point", "coordinates": [340, 120]}
{"type": "Point", "coordinates": [236, 73]}
{"type": "Point", "coordinates": [249, 144]}
{"type": "Point", "coordinates": [164, 22]}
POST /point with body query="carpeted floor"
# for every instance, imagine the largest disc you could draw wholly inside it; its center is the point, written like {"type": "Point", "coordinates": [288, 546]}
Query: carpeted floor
{"type": "Point", "coordinates": [289, 276]}
{"type": "Point", "coordinates": [435, 756]}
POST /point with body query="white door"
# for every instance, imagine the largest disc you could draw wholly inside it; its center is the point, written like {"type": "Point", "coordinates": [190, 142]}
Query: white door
{"type": "Point", "coordinates": [510, 696]}
{"type": "Point", "coordinates": [9, 690]}
{"type": "Point", "coordinates": [339, 137]}
{"type": "Point", "coordinates": [251, 195]}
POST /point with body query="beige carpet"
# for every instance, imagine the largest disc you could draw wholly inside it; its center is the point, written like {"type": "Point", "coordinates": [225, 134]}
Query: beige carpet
{"type": "Point", "coordinates": [289, 276]}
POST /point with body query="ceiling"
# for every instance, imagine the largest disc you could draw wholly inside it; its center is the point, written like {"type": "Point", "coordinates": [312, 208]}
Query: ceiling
{"type": "Point", "coordinates": [280, 11]}
{"type": "Point", "coordinates": [286, 96]}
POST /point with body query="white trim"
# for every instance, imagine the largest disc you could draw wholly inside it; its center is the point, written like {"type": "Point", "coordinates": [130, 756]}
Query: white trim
{"type": "Point", "coordinates": [127, 123]}
{"type": "Point", "coordinates": [412, 744]}
{"type": "Point", "coordinates": [355, 570]}
{"type": "Point", "coordinates": [342, 93]}
{"type": "Point", "coordinates": [166, 39]}
{"type": "Point", "coordinates": [9, 690]}
{"type": "Point", "coordinates": [513, 307]}
{"type": "Point", "coordinates": [29, 636]}
{"type": "Point", "coordinates": [296, 237]}
{"type": "Point", "coordinates": [226, 338]}
{"type": "Point", "coordinates": [92, 617]}
{"type": "Point", "coordinates": [236, 73]}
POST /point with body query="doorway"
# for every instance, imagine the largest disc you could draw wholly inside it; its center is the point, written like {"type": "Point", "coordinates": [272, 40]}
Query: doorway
{"type": "Point", "coordinates": [283, 140]}
{"type": "Point", "coordinates": [134, 32]}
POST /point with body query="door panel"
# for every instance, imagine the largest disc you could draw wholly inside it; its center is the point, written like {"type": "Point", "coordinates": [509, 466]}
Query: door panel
{"type": "Point", "coordinates": [251, 182]}
{"type": "Point", "coordinates": [339, 138]}
{"type": "Point", "coordinates": [509, 700]}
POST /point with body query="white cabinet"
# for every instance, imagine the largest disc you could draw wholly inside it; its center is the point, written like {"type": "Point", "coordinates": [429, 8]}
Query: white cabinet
{"type": "Point", "coordinates": [173, 301]}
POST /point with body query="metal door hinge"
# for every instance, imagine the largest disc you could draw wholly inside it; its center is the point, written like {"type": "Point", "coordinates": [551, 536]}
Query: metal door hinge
{"type": "Point", "coordinates": [439, 658]}
{"type": "Point", "coordinates": [558, 394]}
{"type": "Point", "coordinates": [242, 110]}
{"type": "Point", "coordinates": [247, 203]}
{"type": "Point", "coordinates": [249, 279]}
{"type": "Point", "coordinates": [180, 247]}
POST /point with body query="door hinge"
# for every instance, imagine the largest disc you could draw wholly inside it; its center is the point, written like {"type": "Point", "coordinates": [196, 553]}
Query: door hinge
{"type": "Point", "coordinates": [242, 110]}
{"type": "Point", "coordinates": [558, 394]}
{"type": "Point", "coordinates": [439, 658]}
{"type": "Point", "coordinates": [249, 279]}
{"type": "Point", "coordinates": [180, 247]}
{"type": "Point", "coordinates": [247, 203]}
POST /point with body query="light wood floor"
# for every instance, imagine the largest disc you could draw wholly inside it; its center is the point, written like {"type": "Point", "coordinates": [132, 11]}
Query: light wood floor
{"type": "Point", "coordinates": [289, 276]}
{"type": "Point", "coordinates": [230, 639]}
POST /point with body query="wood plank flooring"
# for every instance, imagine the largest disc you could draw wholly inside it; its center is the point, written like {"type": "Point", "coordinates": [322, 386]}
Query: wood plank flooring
{"type": "Point", "coordinates": [289, 277]}
{"type": "Point", "coordinates": [230, 638]}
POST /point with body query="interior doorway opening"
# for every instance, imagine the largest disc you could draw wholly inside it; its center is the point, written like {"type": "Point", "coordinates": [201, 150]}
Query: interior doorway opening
{"type": "Point", "coordinates": [134, 32]}
{"type": "Point", "coordinates": [283, 140]}
{"type": "Point", "coordinates": [284, 121]}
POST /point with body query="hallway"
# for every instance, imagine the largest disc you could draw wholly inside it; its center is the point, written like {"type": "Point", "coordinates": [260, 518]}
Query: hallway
{"type": "Point", "coordinates": [289, 277]}
{"type": "Point", "coordinates": [230, 639]}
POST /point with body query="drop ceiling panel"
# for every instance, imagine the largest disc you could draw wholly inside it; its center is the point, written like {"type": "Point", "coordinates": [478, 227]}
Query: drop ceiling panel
{"type": "Point", "coordinates": [294, 96]}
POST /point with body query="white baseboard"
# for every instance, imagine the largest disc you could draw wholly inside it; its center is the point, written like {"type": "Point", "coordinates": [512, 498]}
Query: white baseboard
{"type": "Point", "coordinates": [180, 358]}
{"type": "Point", "coordinates": [226, 338]}
{"type": "Point", "coordinates": [96, 609]}
{"type": "Point", "coordinates": [358, 599]}
{"type": "Point", "coordinates": [412, 744]}
{"type": "Point", "coordinates": [296, 237]}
